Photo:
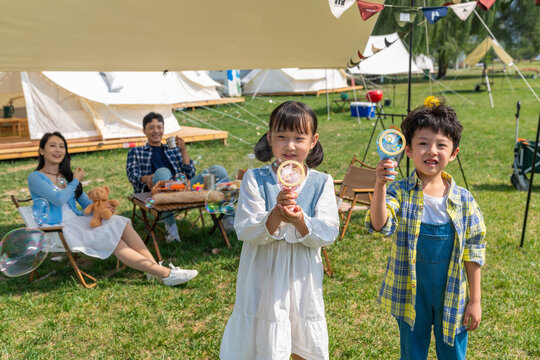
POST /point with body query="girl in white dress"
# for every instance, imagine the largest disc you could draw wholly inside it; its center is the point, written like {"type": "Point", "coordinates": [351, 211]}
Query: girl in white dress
{"type": "Point", "coordinates": [54, 181]}
{"type": "Point", "coordinates": [279, 308]}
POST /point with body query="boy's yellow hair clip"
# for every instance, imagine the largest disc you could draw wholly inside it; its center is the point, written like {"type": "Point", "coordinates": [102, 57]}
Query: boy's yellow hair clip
{"type": "Point", "coordinates": [431, 101]}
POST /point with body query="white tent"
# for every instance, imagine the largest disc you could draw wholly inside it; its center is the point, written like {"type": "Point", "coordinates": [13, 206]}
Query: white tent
{"type": "Point", "coordinates": [293, 80]}
{"type": "Point", "coordinates": [104, 105]}
{"type": "Point", "coordinates": [386, 55]}
{"type": "Point", "coordinates": [424, 62]}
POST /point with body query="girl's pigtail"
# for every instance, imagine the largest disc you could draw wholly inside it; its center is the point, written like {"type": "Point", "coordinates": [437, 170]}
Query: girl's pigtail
{"type": "Point", "coordinates": [315, 156]}
{"type": "Point", "coordinates": [263, 150]}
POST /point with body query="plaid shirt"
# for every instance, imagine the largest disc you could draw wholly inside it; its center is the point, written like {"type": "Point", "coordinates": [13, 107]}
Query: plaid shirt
{"type": "Point", "coordinates": [138, 165]}
{"type": "Point", "coordinates": [404, 202]}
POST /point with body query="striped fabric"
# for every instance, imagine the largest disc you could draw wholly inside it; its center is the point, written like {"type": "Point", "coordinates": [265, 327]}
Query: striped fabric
{"type": "Point", "coordinates": [404, 202]}
{"type": "Point", "coordinates": [138, 165]}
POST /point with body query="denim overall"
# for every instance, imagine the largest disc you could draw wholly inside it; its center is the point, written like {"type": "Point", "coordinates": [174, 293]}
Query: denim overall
{"type": "Point", "coordinates": [433, 253]}
{"type": "Point", "coordinates": [307, 198]}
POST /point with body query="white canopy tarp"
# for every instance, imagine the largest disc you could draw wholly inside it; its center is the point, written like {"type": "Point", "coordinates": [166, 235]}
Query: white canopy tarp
{"type": "Point", "coordinates": [104, 35]}
{"type": "Point", "coordinates": [80, 104]}
{"type": "Point", "coordinates": [390, 60]}
{"type": "Point", "coordinates": [293, 80]}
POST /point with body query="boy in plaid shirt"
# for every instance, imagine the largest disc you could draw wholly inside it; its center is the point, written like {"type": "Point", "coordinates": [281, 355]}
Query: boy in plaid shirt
{"type": "Point", "coordinates": [433, 272]}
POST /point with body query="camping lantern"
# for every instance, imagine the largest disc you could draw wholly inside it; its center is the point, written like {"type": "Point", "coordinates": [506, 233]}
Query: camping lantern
{"type": "Point", "coordinates": [374, 95]}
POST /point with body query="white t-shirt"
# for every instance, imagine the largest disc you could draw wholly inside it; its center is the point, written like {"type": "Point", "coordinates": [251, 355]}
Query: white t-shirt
{"type": "Point", "coordinates": [435, 210]}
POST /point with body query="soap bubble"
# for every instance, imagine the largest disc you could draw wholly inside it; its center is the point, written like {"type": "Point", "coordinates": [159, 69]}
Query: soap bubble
{"type": "Point", "coordinates": [221, 202]}
{"type": "Point", "coordinates": [61, 182]}
{"type": "Point", "coordinates": [197, 159]}
{"type": "Point", "coordinates": [40, 210]}
{"type": "Point", "coordinates": [181, 178]}
{"type": "Point", "coordinates": [150, 203]}
{"type": "Point", "coordinates": [22, 251]}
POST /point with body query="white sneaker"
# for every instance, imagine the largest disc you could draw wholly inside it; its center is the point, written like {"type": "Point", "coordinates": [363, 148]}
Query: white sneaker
{"type": "Point", "coordinates": [179, 276]}
{"type": "Point", "coordinates": [171, 233]}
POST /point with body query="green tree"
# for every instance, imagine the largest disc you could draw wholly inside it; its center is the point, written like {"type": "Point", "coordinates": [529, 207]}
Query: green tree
{"type": "Point", "coordinates": [515, 24]}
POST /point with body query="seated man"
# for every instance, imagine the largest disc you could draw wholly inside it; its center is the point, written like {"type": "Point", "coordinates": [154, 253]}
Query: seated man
{"type": "Point", "coordinates": [148, 164]}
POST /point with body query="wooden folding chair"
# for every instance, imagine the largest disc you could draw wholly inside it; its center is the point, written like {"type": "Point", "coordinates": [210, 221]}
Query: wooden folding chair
{"type": "Point", "coordinates": [55, 237]}
{"type": "Point", "coordinates": [355, 192]}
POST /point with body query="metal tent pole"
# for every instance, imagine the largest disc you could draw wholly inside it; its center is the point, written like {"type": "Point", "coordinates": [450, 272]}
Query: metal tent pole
{"type": "Point", "coordinates": [530, 185]}
{"type": "Point", "coordinates": [409, 80]}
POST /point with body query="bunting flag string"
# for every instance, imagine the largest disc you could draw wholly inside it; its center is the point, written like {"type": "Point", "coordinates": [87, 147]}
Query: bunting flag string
{"type": "Point", "coordinates": [432, 14]}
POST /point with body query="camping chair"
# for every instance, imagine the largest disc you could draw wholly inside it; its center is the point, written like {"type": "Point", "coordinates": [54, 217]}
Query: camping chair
{"type": "Point", "coordinates": [355, 192]}
{"type": "Point", "coordinates": [55, 237]}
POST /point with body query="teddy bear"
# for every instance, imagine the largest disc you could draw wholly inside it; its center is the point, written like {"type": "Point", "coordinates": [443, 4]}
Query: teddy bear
{"type": "Point", "coordinates": [100, 198]}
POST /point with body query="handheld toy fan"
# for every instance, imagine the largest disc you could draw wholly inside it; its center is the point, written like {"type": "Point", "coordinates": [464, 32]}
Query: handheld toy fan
{"type": "Point", "coordinates": [290, 174]}
{"type": "Point", "coordinates": [390, 144]}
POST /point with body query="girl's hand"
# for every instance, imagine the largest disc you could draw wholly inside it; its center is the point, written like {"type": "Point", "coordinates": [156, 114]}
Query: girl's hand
{"type": "Point", "coordinates": [286, 197]}
{"type": "Point", "coordinates": [79, 174]}
{"type": "Point", "coordinates": [383, 170]}
{"type": "Point", "coordinates": [111, 207]}
{"type": "Point", "coordinates": [292, 214]}
{"type": "Point", "coordinates": [473, 315]}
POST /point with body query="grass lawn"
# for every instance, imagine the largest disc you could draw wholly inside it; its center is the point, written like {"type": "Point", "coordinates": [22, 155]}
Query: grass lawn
{"type": "Point", "coordinates": [127, 317]}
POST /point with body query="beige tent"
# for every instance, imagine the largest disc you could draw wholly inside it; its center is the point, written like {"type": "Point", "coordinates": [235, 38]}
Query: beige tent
{"type": "Point", "coordinates": [102, 35]}
{"type": "Point", "coordinates": [478, 54]}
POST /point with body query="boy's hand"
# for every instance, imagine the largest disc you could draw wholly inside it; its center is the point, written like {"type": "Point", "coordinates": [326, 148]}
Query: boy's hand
{"type": "Point", "coordinates": [384, 168]}
{"type": "Point", "coordinates": [472, 316]}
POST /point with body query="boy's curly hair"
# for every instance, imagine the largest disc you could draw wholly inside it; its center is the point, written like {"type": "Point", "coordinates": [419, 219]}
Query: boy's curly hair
{"type": "Point", "coordinates": [440, 118]}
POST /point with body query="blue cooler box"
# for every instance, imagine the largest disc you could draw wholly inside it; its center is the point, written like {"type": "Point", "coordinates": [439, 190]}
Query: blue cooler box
{"type": "Point", "coordinates": [363, 109]}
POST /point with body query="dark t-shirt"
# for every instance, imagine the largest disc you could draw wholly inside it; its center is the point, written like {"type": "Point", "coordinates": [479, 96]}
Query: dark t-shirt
{"type": "Point", "coordinates": [159, 159]}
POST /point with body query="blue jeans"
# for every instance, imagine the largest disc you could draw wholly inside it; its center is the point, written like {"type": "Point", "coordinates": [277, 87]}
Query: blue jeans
{"type": "Point", "coordinates": [218, 170]}
{"type": "Point", "coordinates": [165, 174]}
{"type": "Point", "coordinates": [433, 252]}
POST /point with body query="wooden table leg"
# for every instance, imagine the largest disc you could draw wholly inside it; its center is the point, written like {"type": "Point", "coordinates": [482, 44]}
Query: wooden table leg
{"type": "Point", "coordinates": [150, 232]}
{"type": "Point", "coordinates": [219, 225]}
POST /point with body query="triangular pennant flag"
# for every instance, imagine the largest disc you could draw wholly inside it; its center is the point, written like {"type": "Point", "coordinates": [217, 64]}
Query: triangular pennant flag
{"type": "Point", "coordinates": [463, 10]}
{"type": "Point", "coordinates": [338, 7]}
{"type": "Point", "coordinates": [362, 57]}
{"type": "Point", "coordinates": [374, 50]}
{"type": "Point", "coordinates": [434, 14]}
{"type": "Point", "coordinates": [403, 17]}
{"type": "Point", "coordinates": [485, 4]}
{"type": "Point", "coordinates": [352, 64]}
{"type": "Point", "coordinates": [367, 9]}
{"type": "Point", "coordinates": [388, 43]}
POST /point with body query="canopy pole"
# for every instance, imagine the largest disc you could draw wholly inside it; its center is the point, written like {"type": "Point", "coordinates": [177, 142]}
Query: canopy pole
{"type": "Point", "coordinates": [327, 96]}
{"type": "Point", "coordinates": [409, 79]}
{"type": "Point", "coordinates": [427, 47]}
{"type": "Point", "coordinates": [489, 88]}
{"type": "Point", "coordinates": [530, 185]}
